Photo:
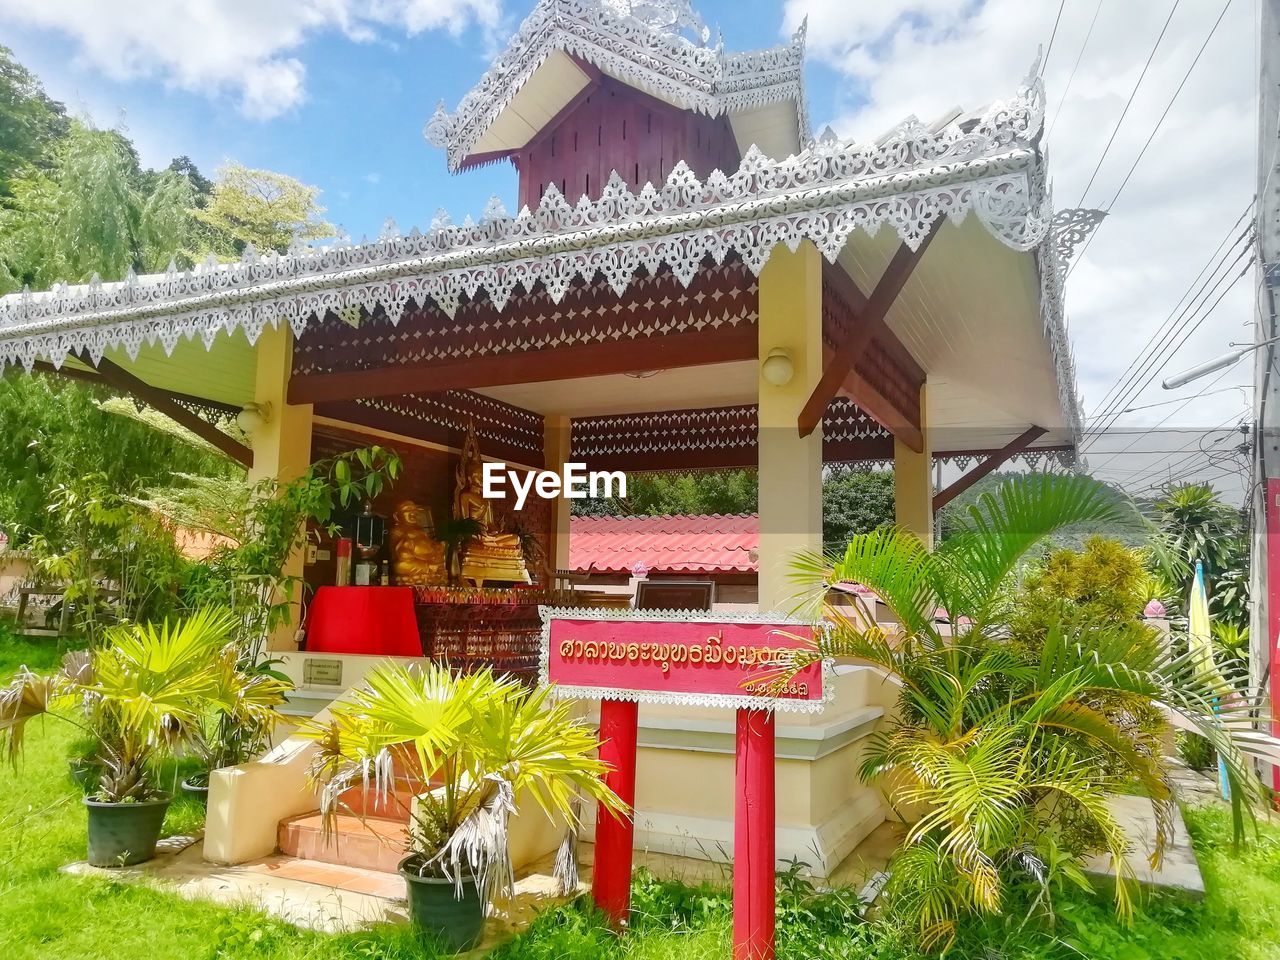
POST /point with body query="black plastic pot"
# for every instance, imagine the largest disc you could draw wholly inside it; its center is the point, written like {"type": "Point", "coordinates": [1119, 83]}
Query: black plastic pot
{"type": "Point", "coordinates": [455, 923]}
{"type": "Point", "coordinates": [198, 790]}
{"type": "Point", "coordinates": [121, 834]}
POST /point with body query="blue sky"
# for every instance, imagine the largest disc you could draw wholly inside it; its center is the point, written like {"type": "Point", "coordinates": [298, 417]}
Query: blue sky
{"type": "Point", "coordinates": [358, 133]}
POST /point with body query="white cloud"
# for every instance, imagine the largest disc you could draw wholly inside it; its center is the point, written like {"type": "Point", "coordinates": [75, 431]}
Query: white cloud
{"type": "Point", "coordinates": [925, 56]}
{"type": "Point", "coordinates": [240, 48]}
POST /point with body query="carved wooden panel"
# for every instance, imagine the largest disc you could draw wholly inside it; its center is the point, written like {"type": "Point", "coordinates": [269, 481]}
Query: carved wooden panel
{"type": "Point", "coordinates": [720, 297]}
{"type": "Point", "coordinates": [716, 438]}
{"type": "Point", "coordinates": [619, 128]}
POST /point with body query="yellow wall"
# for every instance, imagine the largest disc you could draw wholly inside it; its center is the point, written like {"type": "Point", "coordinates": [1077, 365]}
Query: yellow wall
{"type": "Point", "coordinates": [913, 482]}
{"type": "Point", "coordinates": [282, 445]}
{"type": "Point", "coordinates": [556, 449]}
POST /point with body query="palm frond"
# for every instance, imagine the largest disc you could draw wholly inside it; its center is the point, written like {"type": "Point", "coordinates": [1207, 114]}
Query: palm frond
{"type": "Point", "coordinates": [897, 567]}
{"type": "Point", "coordinates": [1001, 527]}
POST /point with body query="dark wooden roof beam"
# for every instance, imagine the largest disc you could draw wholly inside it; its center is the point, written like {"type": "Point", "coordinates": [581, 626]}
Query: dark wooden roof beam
{"type": "Point", "coordinates": [870, 322]}
{"type": "Point", "coordinates": [124, 381]}
{"type": "Point", "coordinates": [691, 349]}
{"type": "Point", "coordinates": [988, 466]}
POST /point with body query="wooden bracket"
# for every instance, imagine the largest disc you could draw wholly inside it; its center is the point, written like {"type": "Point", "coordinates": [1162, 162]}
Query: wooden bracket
{"type": "Point", "coordinates": [121, 379]}
{"type": "Point", "coordinates": [870, 319]}
{"type": "Point", "coordinates": [987, 467]}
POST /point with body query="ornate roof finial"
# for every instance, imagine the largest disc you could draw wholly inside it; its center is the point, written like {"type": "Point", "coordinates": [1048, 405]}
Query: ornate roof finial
{"type": "Point", "coordinates": [666, 16]}
{"type": "Point", "coordinates": [495, 209]}
{"type": "Point", "coordinates": [439, 127]}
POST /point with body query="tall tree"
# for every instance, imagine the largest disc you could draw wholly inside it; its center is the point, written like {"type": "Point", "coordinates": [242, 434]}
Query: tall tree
{"type": "Point", "coordinates": [1202, 529]}
{"type": "Point", "coordinates": [855, 502]}
{"type": "Point", "coordinates": [74, 202]}
{"type": "Point", "coordinates": [55, 434]}
{"type": "Point", "coordinates": [92, 212]}
{"type": "Point", "coordinates": [29, 120]}
{"type": "Point", "coordinates": [260, 207]}
{"type": "Point", "coordinates": [672, 494]}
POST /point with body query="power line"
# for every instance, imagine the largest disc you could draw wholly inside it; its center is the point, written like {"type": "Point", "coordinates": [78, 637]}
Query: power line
{"type": "Point", "coordinates": [1159, 123]}
{"type": "Point", "coordinates": [1184, 325]}
{"type": "Point", "coordinates": [1169, 106]}
{"type": "Point", "coordinates": [1103, 407]}
{"type": "Point", "coordinates": [1179, 469]}
{"type": "Point", "coordinates": [1165, 403]}
{"type": "Point", "coordinates": [1188, 400]}
{"type": "Point", "coordinates": [1132, 94]}
{"type": "Point", "coordinates": [1169, 416]}
{"type": "Point", "coordinates": [1044, 64]}
{"type": "Point", "coordinates": [1076, 66]}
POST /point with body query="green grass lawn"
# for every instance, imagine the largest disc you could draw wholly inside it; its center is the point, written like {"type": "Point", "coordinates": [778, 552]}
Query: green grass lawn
{"type": "Point", "coordinates": [45, 914]}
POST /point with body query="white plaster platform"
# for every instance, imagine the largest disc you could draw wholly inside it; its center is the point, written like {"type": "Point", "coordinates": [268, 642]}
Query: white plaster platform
{"type": "Point", "coordinates": [1180, 870]}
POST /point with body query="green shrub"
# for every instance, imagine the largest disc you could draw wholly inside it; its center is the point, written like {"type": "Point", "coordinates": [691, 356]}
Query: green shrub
{"type": "Point", "coordinates": [1196, 752]}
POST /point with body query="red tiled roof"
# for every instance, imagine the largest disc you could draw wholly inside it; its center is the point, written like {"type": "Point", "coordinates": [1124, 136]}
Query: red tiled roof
{"type": "Point", "coordinates": [677, 544]}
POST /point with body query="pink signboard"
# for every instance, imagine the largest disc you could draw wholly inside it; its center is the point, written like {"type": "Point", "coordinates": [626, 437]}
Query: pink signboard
{"type": "Point", "coordinates": [678, 657]}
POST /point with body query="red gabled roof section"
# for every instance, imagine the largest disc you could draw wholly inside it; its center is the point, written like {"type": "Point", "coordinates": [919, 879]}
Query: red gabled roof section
{"type": "Point", "coordinates": [672, 544]}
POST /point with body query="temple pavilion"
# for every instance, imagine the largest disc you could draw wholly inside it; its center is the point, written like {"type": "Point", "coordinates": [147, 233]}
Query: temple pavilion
{"type": "Point", "coordinates": [691, 279]}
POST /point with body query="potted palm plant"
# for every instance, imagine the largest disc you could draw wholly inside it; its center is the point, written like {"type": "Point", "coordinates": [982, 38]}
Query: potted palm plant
{"type": "Point", "coordinates": [139, 696]}
{"type": "Point", "coordinates": [235, 734]}
{"type": "Point", "coordinates": [467, 748]}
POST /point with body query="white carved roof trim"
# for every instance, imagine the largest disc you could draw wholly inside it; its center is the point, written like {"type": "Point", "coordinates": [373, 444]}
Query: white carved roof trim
{"type": "Point", "coordinates": [907, 181]}
{"type": "Point", "coordinates": [669, 66]}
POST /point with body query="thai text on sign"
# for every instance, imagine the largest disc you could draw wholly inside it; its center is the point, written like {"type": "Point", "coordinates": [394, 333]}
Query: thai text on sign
{"type": "Point", "coordinates": [696, 659]}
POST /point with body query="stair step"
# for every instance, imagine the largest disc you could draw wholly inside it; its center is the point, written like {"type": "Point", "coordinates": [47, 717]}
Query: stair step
{"type": "Point", "coordinates": [373, 843]}
{"type": "Point", "coordinates": [306, 703]}
{"type": "Point", "coordinates": [396, 804]}
{"type": "Point", "coordinates": [374, 883]}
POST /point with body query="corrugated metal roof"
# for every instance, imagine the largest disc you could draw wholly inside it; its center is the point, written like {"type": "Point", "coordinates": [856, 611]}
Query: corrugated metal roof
{"type": "Point", "coordinates": [670, 544]}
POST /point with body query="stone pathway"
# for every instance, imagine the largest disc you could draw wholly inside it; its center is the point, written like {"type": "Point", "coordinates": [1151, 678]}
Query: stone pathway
{"type": "Point", "coordinates": [310, 894]}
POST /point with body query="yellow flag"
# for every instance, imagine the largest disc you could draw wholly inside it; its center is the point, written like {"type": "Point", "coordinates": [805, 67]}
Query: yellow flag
{"type": "Point", "coordinates": [1198, 630]}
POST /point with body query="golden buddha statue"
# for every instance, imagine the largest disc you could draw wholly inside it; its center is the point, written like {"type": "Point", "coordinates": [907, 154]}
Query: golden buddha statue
{"type": "Point", "coordinates": [417, 557]}
{"type": "Point", "coordinates": [490, 555]}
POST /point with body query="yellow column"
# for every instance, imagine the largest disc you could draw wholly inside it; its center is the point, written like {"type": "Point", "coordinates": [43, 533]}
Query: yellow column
{"type": "Point", "coordinates": [790, 466]}
{"type": "Point", "coordinates": [281, 445]}
{"type": "Point", "coordinates": [556, 450]}
{"type": "Point", "coordinates": [913, 482]}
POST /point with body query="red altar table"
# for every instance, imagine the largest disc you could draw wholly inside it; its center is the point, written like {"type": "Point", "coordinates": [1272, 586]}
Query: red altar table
{"type": "Point", "coordinates": [368, 620]}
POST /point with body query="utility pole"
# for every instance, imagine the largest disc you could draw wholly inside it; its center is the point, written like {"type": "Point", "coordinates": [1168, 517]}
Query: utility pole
{"type": "Point", "coordinates": [1265, 492]}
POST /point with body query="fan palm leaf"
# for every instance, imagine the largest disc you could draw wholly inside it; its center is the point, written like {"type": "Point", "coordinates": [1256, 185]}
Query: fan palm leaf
{"type": "Point", "coordinates": [468, 746]}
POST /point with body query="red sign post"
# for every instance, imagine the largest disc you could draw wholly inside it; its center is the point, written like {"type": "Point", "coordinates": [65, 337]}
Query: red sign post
{"type": "Point", "coordinates": [624, 658]}
{"type": "Point", "coordinates": [615, 834]}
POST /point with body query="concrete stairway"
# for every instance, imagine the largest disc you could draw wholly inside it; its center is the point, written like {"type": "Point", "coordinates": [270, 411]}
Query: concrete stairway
{"type": "Point", "coordinates": [371, 831]}
{"type": "Point", "coordinates": [374, 843]}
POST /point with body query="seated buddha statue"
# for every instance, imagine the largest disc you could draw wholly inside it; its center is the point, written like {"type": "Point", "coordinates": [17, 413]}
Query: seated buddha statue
{"type": "Point", "coordinates": [417, 557]}
{"type": "Point", "coordinates": [490, 555]}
